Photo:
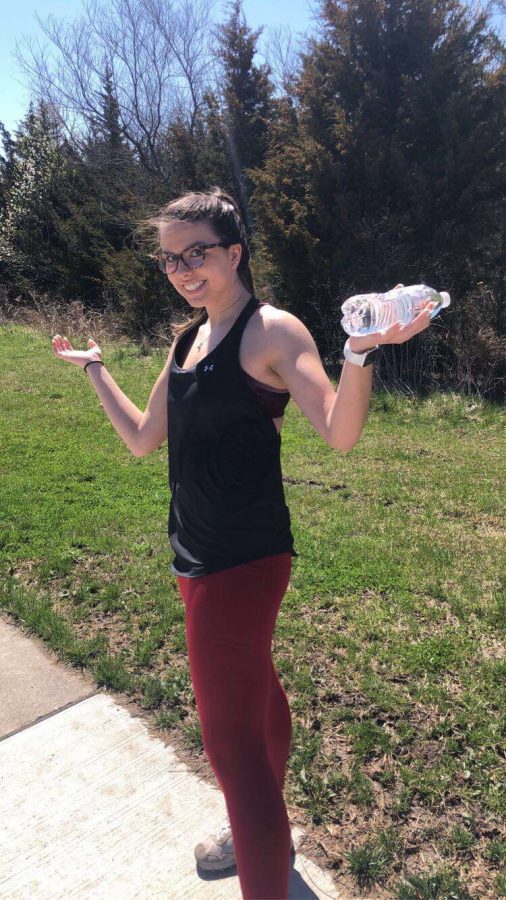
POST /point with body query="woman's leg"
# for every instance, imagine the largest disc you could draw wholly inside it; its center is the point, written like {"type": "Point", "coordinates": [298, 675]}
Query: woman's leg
{"type": "Point", "coordinates": [230, 620]}
{"type": "Point", "coordinates": [278, 730]}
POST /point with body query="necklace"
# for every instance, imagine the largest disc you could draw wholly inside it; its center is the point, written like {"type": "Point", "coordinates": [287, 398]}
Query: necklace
{"type": "Point", "coordinates": [227, 307]}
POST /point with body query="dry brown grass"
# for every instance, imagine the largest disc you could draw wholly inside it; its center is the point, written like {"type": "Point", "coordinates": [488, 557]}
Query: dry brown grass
{"type": "Point", "coordinates": [50, 316]}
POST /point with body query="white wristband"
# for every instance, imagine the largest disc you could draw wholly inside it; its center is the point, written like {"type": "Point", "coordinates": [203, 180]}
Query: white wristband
{"type": "Point", "coordinates": [358, 359]}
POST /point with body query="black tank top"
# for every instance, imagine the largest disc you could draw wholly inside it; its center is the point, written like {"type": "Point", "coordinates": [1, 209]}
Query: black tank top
{"type": "Point", "coordinates": [227, 503]}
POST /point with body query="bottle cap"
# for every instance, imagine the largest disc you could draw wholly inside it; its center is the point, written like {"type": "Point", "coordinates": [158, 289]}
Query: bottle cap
{"type": "Point", "coordinates": [445, 298]}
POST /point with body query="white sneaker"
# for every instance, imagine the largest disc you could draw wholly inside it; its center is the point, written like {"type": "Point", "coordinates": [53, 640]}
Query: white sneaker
{"type": "Point", "coordinates": [217, 850]}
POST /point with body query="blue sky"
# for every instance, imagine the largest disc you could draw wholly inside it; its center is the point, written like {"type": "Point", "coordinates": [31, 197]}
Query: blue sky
{"type": "Point", "coordinates": [18, 20]}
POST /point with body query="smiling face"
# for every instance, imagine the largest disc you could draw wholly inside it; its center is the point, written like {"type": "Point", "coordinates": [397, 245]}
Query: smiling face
{"type": "Point", "coordinates": [221, 284]}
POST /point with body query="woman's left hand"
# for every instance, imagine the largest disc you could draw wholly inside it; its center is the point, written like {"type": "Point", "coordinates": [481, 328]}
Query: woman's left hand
{"type": "Point", "coordinates": [397, 333]}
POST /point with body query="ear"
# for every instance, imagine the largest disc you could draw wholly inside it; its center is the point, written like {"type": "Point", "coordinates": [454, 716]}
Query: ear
{"type": "Point", "coordinates": [235, 254]}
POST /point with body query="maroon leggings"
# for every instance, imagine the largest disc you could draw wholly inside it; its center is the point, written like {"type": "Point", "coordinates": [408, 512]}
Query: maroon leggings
{"type": "Point", "coordinates": [243, 711]}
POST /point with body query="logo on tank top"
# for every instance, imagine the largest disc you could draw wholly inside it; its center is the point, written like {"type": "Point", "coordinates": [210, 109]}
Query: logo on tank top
{"type": "Point", "coordinates": [208, 368]}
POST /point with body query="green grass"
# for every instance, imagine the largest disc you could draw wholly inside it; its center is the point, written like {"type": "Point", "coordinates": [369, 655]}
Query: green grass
{"type": "Point", "coordinates": [389, 642]}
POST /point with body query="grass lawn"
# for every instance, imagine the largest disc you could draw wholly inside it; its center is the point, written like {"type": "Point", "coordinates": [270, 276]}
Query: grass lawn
{"type": "Point", "coordinates": [390, 639]}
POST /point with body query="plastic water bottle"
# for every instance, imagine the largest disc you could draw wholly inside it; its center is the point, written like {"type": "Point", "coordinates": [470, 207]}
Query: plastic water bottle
{"type": "Point", "coordinates": [368, 313]}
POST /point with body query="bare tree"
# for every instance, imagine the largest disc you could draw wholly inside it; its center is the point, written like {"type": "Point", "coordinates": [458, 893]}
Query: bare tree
{"type": "Point", "coordinates": [282, 54]}
{"type": "Point", "coordinates": [158, 54]}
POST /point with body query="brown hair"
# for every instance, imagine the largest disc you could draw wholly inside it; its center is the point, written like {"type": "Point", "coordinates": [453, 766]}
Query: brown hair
{"type": "Point", "coordinates": [222, 213]}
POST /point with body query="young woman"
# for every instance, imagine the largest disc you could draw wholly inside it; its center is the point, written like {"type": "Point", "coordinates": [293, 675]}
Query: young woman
{"type": "Point", "coordinates": [220, 401]}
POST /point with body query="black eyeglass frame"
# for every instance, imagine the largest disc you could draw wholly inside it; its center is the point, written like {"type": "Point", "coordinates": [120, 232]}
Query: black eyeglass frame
{"type": "Point", "coordinates": [161, 256]}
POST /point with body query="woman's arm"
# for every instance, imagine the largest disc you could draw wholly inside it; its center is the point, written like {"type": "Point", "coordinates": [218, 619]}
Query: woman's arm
{"type": "Point", "coordinates": [142, 432]}
{"type": "Point", "coordinates": [351, 405]}
{"type": "Point", "coordinates": [338, 417]}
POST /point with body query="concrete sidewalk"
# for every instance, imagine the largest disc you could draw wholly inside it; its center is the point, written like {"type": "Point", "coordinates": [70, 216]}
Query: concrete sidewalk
{"type": "Point", "coordinates": [91, 804]}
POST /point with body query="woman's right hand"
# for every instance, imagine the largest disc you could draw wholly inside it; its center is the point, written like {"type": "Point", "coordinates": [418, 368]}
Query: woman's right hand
{"type": "Point", "coordinates": [62, 348]}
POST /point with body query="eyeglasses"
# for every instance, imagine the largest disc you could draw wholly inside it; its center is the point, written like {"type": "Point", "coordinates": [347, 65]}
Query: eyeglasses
{"type": "Point", "coordinates": [192, 258]}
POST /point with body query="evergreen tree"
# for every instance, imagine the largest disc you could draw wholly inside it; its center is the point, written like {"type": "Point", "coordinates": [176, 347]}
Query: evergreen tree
{"type": "Point", "coordinates": [6, 164]}
{"type": "Point", "coordinates": [212, 164]}
{"type": "Point", "coordinates": [393, 168]}
{"type": "Point", "coordinates": [110, 163]}
{"type": "Point", "coordinates": [34, 183]}
{"type": "Point", "coordinates": [247, 95]}
{"type": "Point", "coordinates": [106, 269]}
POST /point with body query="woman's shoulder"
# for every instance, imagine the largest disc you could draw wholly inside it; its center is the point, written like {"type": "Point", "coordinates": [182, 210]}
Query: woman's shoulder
{"type": "Point", "coordinates": [273, 330]}
{"type": "Point", "coordinates": [275, 323]}
{"type": "Point", "coordinates": [268, 313]}
{"type": "Point", "coordinates": [257, 345]}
